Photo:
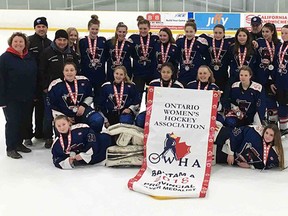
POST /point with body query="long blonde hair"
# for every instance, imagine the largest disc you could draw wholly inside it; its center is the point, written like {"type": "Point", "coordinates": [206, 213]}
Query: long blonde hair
{"type": "Point", "coordinates": [211, 78]}
{"type": "Point", "coordinates": [69, 30]}
{"type": "Point", "coordinates": [123, 68]}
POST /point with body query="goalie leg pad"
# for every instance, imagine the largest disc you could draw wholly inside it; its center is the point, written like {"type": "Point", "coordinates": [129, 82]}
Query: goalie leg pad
{"type": "Point", "coordinates": [124, 156]}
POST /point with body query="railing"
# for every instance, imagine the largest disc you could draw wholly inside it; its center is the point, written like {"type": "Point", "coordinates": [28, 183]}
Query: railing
{"type": "Point", "coordinates": [274, 6]}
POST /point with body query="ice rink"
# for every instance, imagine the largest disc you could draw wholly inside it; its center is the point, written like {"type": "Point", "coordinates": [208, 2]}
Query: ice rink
{"type": "Point", "coordinates": [32, 186]}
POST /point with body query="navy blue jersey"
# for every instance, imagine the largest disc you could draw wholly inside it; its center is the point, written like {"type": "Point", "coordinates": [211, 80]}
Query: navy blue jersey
{"type": "Point", "coordinates": [108, 101]}
{"type": "Point", "coordinates": [125, 58]}
{"type": "Point", "coordinates": [143, 68]}
{"type": "Point", "coordinates": [174, 83]}
{"type": "Point", "coordinates": [173, 56]}
{"type": "Point", "coordinates": [265, 67]}
{"type": "Point", "coordinates": [203, 86]}
{"type": "Point", "coordinates": [247, 144]}
{"type": "Point", "coordinates": [60, 100]}
{"type": "Point", "coordinates": [280, 76]}
{"type": "Point", "coordinates": [83, 142]}
{"type": "Point", "coordinates": [221, 70]}
{"type": "Point", "coordinates": [93, 70]}
{"type": "Point", "coordinates": [250, 101]}
{"type": "Point", "coordinates": [250, 60]}
{"type": "Point", "coordinates": [199, 56]}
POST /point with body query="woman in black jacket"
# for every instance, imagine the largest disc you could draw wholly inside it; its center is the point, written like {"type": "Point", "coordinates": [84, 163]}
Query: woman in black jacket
{"type": "Point", "coordinates": [18, 78]}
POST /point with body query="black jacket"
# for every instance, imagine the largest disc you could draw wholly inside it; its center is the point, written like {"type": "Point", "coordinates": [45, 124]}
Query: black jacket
{"type": "Point", "coordinates": [52, 62]}
{"type": "Point", "coordinates": [37, 44]}
{"type": "Point", "coordinates": [18, 78]}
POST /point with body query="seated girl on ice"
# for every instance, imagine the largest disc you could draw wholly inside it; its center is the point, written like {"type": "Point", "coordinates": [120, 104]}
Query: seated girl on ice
{"type": "Point", "coordinates": [77, 144]}
{"type": "Point", "coordinates": [250, 147]}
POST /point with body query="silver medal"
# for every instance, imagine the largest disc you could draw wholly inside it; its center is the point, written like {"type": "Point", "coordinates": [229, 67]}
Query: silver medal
{"type": "Point", "coordinates": [187, 68]}
{"type": "Point", "coordinates": [270, 67]}
{"type": "Point", "coordinates": [93, 64]}
{"type": "Point", "coordinates": [144, 63]}
{"type": "Point", "coordinates": [75, 109]}
{"type": "Point", "coordinates": [216, 67]}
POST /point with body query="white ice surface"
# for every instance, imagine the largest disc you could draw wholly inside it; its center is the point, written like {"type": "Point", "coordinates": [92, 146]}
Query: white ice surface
{"type": "Point", "coordinates": [32, 186]}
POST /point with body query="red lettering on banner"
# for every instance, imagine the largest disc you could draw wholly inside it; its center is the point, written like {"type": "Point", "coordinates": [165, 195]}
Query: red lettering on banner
{"type": "Point", "coordinates": [153, 17]}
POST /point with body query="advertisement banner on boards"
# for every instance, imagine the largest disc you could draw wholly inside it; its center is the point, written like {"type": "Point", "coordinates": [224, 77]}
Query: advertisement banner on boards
{"type": "Point", "coordinates": [178, 147]}
{"type": "Point", "coordinates": [278, 19]}
{"type": "Point", "coordinates": [172, 20]}
{"type": "Point", "coordinates": [207, 21]}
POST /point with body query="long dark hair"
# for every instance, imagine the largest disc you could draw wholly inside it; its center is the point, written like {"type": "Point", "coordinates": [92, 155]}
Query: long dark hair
{"type": "Point", "coordinates": [272, 28]}
{"type": "Point", "coordinates": [248, 44]}
{"type": "Point", "coordinates": [170, 35]}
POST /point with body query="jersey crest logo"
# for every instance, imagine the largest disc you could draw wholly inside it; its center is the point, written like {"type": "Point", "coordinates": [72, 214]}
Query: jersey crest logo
{"type": "Point", "coordinates": [95, 63]}
{"type": "Point", "coordinates": [114, 60]}
{"type": "Point", "coordinates": [113, 100]}
{"type": "Point", "coordinates": [68, 100]}
{"type": "Point", "coordinates": [248, 155]}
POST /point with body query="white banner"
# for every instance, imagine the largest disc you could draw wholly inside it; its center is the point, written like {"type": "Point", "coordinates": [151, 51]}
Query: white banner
{"type": "Point", "coordinates": [279, 19]}
{"type": "Point", "coordinates": [179, 134]}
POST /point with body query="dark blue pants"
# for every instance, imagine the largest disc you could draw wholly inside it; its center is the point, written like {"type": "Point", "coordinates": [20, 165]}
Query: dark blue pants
{"type": "Point", "coordinates": [48, 118]}
{"type": "Point", "coordinates": [17, 118]}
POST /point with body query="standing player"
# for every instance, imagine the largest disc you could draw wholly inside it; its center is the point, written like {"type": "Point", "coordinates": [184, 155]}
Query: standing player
{"type": "Point", "coordinates": [241, 53]}
{"type": "Point", "coordinates": [143, 55]}
{"type": "Point", "coordinates": [120, 50]}
{"type": "Point", "coordinates": [77, 144]}
{"type": "Point", "coordinates": [280, 80]}
{"type": "Point", "coordinates": [73, 96]}
{"type": "Point", "coordinates": [194, 53]}
{"type": "Point", "coordinates": [166, 51]}
{"type": "Point", "coordinates": [37, 43]}
{"type": "Point", "coordinates": [93, 57]}
{"type": "Point", "coordinates": [119, 100]}
{"type": "Point", "coordinates": [218, 49]}
{"type": "Point", "coordinates": [73, 39]}
{"type": "Point", "coordinates": [266, 51]}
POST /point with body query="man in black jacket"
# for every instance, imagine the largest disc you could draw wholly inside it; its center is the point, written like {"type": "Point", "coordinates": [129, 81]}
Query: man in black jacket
{"type": "Point", "coordinates": [256, 28]}
{"type": "Point", "coordinates": [51, 66]}
{"type": "Point", "coordinates": [37, 43]}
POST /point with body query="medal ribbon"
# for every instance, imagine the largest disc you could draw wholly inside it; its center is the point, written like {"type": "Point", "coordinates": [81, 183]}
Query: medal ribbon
{"type": "Point", "coordinates": [73, 96]}
{"type": "Point", "coordinates": [117, 96]}
{"type": "Point", "coordinates": [242, 57]}
{"type": "Point", "coordinates": [164, 55]}
{"type": "Point", "coordinates": [271, 50]}
{"type": "Point", "coordinates": [282, 54]}
{"type": "Point", "coordinates": [62, 142]}
{"type": "Point", "coordinates": [92, 49]}
{"type": "Point", "coordinates": [199, 86]}
{"type": "Point", "coordinates": [118, 52]}
{"type": "Point", "coordinates": [188, 52]}
{"type": "Point", "coordinates": [217, 55]}
{"type": "Point", "coordinates": [169, 85]}
{"type": "Point", "coordinates": [266, 149]}
{"type": "Point", "coordinates": [145, 48]}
